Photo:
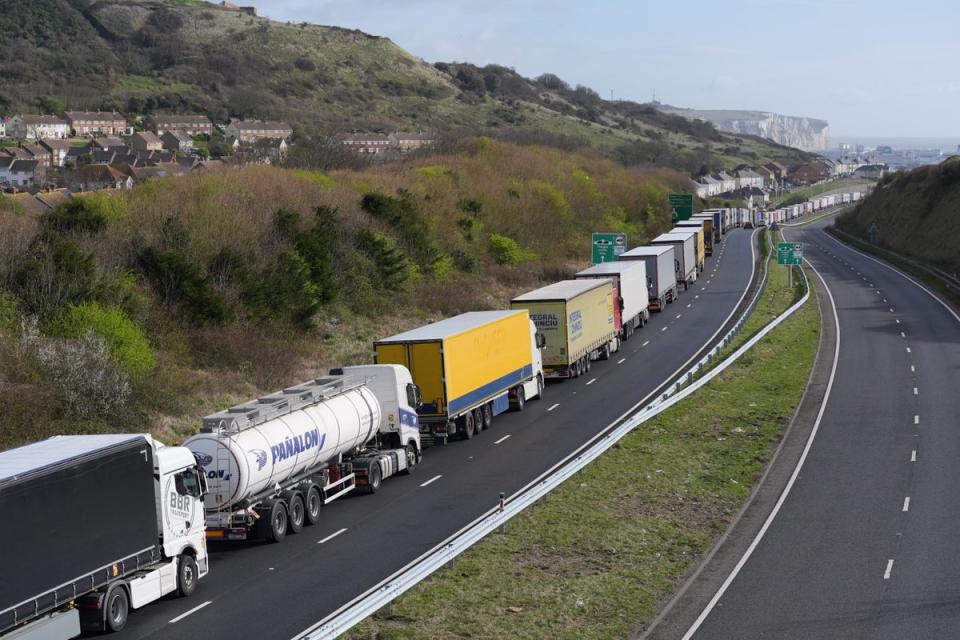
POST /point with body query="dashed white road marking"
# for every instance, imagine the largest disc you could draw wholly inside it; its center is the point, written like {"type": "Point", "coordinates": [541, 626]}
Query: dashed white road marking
{"type": "Point", "coordinates": [592, 380]}
{"type": "Point", "coordinates": [187, 613]}
{"type": "Point", "coordinates": [908, 350]}
{"type": "Point", "coordinates": [903, 335]}
{"type": "Point", "coordinates": [913, 369]}
{"type": "Point", "coordinates": [431, 480]}
{"type": "Point", "coordinates": [916, 419]}
{"type": "Point", "coordinates": [645, 343]}
{"type": "Point", "coordinates": [913, 456]}
{"type": "Point", "coordinates": [621, 360]}
{"type": "Point", "coordinates": [898, 321]}
{"type": "Point", "coordinates": [554, 407]}
{"type": "Point", "coordinates": [886, 574]}
{"type": "Point", "coordinates": [678, 316]}
{"type": "Point", "coordinates": [891, 309]}
{"type": "Point", "coordinates": [331, 536]}
{"type": "Point", "coordinates": [501, 439]}
{"type": "Point", "coordinates": [906, 504]}
{"type": "Point", "coordinates": [696, 296]}
{"type": "Point", "coordinates": [664, 329]}
{"type": "Point", "coordinates": [689, 305]}
{"type": "Point", "coordinates": [916, 391]}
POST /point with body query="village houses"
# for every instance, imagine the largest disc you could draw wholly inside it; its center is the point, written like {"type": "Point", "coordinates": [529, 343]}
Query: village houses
{"type": "Point", "coordinates": [188, 124]}
{"type": "Point", "coordinates": [86, 123]}
{"type": "Point", "coordinates": [177, 140]}
{"type": "Point", "coordinates": [35, 127]}
{"type": "Point", "coordinates": [145, 141]}
{"type": "Point", "coordinates": [247, 131]}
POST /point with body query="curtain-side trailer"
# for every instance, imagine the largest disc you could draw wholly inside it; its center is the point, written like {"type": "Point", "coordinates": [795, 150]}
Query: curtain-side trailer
{"type": "Point", "coordinates": [630, 281]}
{"type": "Point", "coordinates": [685, 257]}
{"type": "Point", "coordinates": [661, 275]}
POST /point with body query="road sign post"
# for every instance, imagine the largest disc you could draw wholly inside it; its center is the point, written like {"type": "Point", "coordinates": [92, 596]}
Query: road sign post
{"type": "Point", "coordinates": [607, 247]}
{"type": "Point", "coordinates": [790, 254]}
{"type": "Point", "coordinates": [681, 206]}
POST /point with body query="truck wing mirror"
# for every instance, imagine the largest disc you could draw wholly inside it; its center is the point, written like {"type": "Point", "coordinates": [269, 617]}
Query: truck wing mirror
{"type": "Point", "coordinates": [541, 340]}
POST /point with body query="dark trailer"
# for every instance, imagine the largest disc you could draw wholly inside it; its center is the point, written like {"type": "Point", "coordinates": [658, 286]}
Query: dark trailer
{"type": "Point", "coordinates": [79, 511]}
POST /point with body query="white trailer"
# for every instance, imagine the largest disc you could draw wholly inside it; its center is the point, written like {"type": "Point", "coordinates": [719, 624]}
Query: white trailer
{"type": "Point", "coordinates": [661, 273]}
{"type": "Point", "coordinates": [630, 280]}
{"type": "Point", "coordinates": [271, 464]}
{"type": "Point", "coordinates": [684, 254]}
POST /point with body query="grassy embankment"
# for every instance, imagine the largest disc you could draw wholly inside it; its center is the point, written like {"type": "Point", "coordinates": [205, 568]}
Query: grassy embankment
{"type": "Point", "coordinates": [157, 306]}
{"type": "Point", "coordinates": [806, 193]}
{"type": "Point", "coordinates": [599, 556]}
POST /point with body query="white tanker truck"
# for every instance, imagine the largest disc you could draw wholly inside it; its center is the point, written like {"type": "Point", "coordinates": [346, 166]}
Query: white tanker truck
{"type": "Point", "coordinates": [272, 463]}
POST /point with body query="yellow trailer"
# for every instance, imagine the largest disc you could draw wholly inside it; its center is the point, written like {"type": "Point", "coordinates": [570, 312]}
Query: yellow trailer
{"type": "Point", "coordinates": [576, 318]}
{"type": "Point", "coordinates": [469, 368]}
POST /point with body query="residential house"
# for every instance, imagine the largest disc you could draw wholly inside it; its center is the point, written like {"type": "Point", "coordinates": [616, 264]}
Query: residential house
{"type": "Point", "coordinates": [247, 131]}
{"type": "Point", "coordinates": [102, 156]}
{"type": "Point", "coordinates": [176, 140]}
{"type": "Point", "coordinates": [712, 186]}
{"type": "Point", "coordinates": [50, 198]}
{"type": "Point", "coordinates": [755, 196]}
{"type": "Point", "coordinates": [37, 152]}
{"type": "Point", "coordinates": [16, 172]}
{"type": "Point", "coordinates": [250, 11]}
{"type": "Point", "coordinates": [870, 171]}
{"type": "Point", "coordinates": [727, 182]}
{"type": "Point", "coordinates": [6, 161]}
{"type": "Point", "coordinates": [108, 142]}
{"type": "Point", "coordinates": [87, 123]}
{"type": "Point", "coordinates": [145, 141]}
{"type": "Point", "coordinates": [374, 143]}
{"type": "Point", "coordinates": [777, 170]}
{"type": "Point", "coordinates": [747, 177]}
{"type": "Point", "coordinates": [407, 142]}
{"type": "Point", "coordinates": [190, 125]}
{"type": "Point", "coordinates": [58, 150]}
{"type": "Point", "coordinates": [93, 177]}
{"type": "Point", "coordinates": [155, 157]}
{"type": "Point", "coordinates": [270, 150]}
{"type": "Point", "coordinates": [699, 189]}
{"type": "Point", "coordinates": [766, 174]}
{"type": "Point", "coordinates": [126, 155]}
{"type": "Point", "coordinates": [36, 127]}
{"type": "Point", "coordinates": [809, 173]}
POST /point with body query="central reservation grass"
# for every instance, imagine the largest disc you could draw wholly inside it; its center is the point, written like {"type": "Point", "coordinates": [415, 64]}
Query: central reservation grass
{"type": "Point", "coordinates": [598, 557]}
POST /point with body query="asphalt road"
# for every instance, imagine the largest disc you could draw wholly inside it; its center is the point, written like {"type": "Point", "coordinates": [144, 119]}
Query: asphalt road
{"type": "Point", "coordinates": [277, 590]}
{"type": "Point", "coordinates": [866, 543]}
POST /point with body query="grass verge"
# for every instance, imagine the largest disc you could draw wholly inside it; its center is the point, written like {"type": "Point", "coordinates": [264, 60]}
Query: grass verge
{"type": "Point", "coordinates": [596, 558]}
{"type": "Point", "coordinates": [916, 270]}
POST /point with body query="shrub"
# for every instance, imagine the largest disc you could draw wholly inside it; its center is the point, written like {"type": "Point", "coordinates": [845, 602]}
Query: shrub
{"type": "Point", "coordinates": [505, 250]}
{"type": "Point", "coordinates": [57, 272]}
{"type": "Point", "coordinates": [394, 269]}
{"type": "Point", "coordinates": [128, 346]}
{"type": "Point", "coordinates": [88, 214]}
{"type": "Point", "coordinates": [177, 279]}
{"type": "Point", "coordinates": [284, 289]}
{"type": "Point", "coordinates": [8, 312]}
{"type": "Point", "coordinates": [415, 235]}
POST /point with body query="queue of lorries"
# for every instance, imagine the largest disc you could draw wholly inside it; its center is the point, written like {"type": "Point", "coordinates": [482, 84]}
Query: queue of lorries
{"type": "Point", "coordinates": [102, 524]}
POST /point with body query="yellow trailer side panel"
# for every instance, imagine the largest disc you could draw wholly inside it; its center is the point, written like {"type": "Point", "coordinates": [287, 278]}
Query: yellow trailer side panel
{"type": "Point", "coordinates": [425, 362]}
{"type": "Point", "coordinates": [480, 361]}
{"type": "Point", "coordinates": [590, 320]}
{"type": "Point", "coordinates": [550, 318]}
{"type": "Point", "coordinates": [701, 249]}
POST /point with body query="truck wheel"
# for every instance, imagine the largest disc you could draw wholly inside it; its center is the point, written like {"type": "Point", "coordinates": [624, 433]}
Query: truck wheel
{"type": "Point", "coordinates": [276, 526]}
{"type": "Point", "coordinates": [478, 421]}
{"type": "Point", "coordinates": [295, 513]}
{"type": "Point", "coordinates": [373, 477]}
{"type": "Point", "coordinates": [588, 362]}
{"type": "Point", "coordinates": [468, 426]}
{"type": "Point", "coordinates": [314, 503]}
{"type": "Point", "coordinates": [411, 453]}
{"type": "Point", "coordinates": [539, 386]}
{"type": "Point", "coordinates": [116, 607]}
{"type": "Point", "coordinates": [487, 412]}
{"type": "Point", "coordinates": [186, 576]}
{"type": "Point", "coordinates": [521, 399]}
{"type": "Point", "coordinates": [605, 352]}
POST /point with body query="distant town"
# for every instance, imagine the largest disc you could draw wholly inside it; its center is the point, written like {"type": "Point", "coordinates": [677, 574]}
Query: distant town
{"type": "Point", "coordinates": [45, 157]}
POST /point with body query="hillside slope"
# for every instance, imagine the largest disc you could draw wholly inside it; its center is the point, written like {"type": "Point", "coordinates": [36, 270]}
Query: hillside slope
{"type": "Point", "coordinates": [139, 56]}
{"type": "Point", "coordinates": [915, 213]}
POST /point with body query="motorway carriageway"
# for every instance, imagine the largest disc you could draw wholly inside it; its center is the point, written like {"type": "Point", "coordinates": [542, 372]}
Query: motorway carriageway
{"type": "Point", "coordinates": [278, 590]}
{"type": "Point", "coordinates": [866, 544]}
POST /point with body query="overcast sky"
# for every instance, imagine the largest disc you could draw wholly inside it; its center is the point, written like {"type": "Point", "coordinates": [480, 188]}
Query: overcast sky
{"type": "Point", "coordinates": [869, 67]}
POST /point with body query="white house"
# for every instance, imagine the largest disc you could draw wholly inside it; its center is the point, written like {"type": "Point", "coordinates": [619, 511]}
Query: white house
{"type": "Point", "coordinates": [728, 182]}
{"type": "Point", "coordinates": [33, 127]}
{"type": "Point", "coordinates": [749, 178]}
{"type": "Point", "coordinates": [16, 172]}
{"type": "Point", "coordinates": [711, 185]}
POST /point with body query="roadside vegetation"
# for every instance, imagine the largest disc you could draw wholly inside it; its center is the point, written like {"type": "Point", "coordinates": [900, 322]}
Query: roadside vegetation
{"type": "Point", "coordinates": [797, 196]}
{"type": "Point", "coordinates": [162, 304]}
{"type": "Point", "coordinates": [601, 554]}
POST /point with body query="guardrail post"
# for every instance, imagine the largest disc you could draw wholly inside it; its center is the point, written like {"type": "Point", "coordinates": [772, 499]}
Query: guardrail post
{"type": "Point", "coordinates": [503, 526]}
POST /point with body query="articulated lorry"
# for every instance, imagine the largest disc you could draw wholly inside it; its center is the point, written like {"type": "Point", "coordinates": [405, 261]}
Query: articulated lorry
{"type": "Point", "coordinates": [661, 273]}
{"type": "Point", "coordinates": [95, 526]}
{"type": "Point", "coordinates": [632, 299]}
{"type": "Point", "coordinates": [704, 229]}
{"type": "Point", "coordinates": [699, 253]}
{"type": "Point", "coordinates": [271, 464]}
{"type": "Point", "coordinates": [577, 320]}
{"type": "Point", "coordinates": [684, 253]}
{"type": "Point", "coordinates": [469, 369]}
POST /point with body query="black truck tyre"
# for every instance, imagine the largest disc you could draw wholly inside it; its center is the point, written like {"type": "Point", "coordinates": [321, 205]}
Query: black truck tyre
{"type": "Point", "coordinates": [313, 504]}
{"type": "Point", "coordinates": [468, 426]}
{"type": "Point", "coordinates": [520, 400]}
{"type": "Point", "coordinates": [374, 478]}
{"type": "Point", "coordinates": [296, 513]}
{"type": "Point", "coordinates": [412, 458]}
{"type": "Point", "coordinates": [116, 607]}
{"type": "Point", "coordinates": [478, 422]}
{"type": "Point", "coordinates": [187, 576]}
{"type": "Point", "coordinates": [487, 412]}
{"type": "Point", "coordinates": [272, 525]}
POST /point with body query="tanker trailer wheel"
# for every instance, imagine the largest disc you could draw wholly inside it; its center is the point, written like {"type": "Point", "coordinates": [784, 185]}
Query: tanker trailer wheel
{"type": "Point", "coordinates": [487, 412]}
{"type": "Point", "coordinates": [313, 504]}
{"type": "Point", "coordinates": [478, 421]}
{"type": "Point", "coordinates": [296, 513]}
{"type": "Point", "coordinates": [186, 576]}
{"type": "Point", "coordinates": [272, 525]}
{"type": "Point", "coordinates": [116, 607]}
{"type": "Point", "coordinates": [412, 459]}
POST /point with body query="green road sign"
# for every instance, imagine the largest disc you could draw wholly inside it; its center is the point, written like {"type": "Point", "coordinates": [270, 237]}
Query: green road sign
{"type": "Point", "coordinates": [681, 206]}
{"type": "Point", "coordinates": [790, 253]}
{"type": "Point", "coordinates": [608, 246]}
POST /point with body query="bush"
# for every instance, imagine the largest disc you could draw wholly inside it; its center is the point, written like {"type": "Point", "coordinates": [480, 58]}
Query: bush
{"type": "Point", "coordinates": [177, 279]}
{"type": "Point", "coordinates": [284, 289]}
{"type": "Point", "coordinates": [128, 346]}
{"type": "Point", "coordinates": [505, 250]}
{"type": "Point", "coordinates": [57, 272]}
{"type": "Point", "coordinates": [8, 312]}
{"type": "Point", "coordinates": [88, 214]}
{"type": "Point", "coordinates": [394, 269]}
{"type": "Point", "coordinates": [415, 235]}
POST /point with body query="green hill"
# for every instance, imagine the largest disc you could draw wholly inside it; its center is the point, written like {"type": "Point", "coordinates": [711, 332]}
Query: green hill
{"type": "Point", "coordinates": [915, 214]}
{"type": "Point", "coordinates": [140, 56]}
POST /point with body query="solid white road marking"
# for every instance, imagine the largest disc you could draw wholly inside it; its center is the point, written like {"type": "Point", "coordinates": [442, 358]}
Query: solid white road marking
{"type": "Point", "coordinates": [431, 480]}
{"type": "Point", "coordinates": [645, 343]}
{"type": "Point", "coordinates": [194, 610]}
{"type": "Point", "coordinates": [906, 504]}
{"type": "Point", "coordinates": [621, 360]}
{"type": "Point", "coordinates": [331, 536]}
{"type": "Point", "coordinates": [592, 380]}
{"type": "Point", "coordinates": [913, 456]}
{"type": "Point", "coordinates": [501, 439]}
{"type": "Point", "coordinates": [886, 574]}
{"type": "Point", "coordinates": [554, 407]}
